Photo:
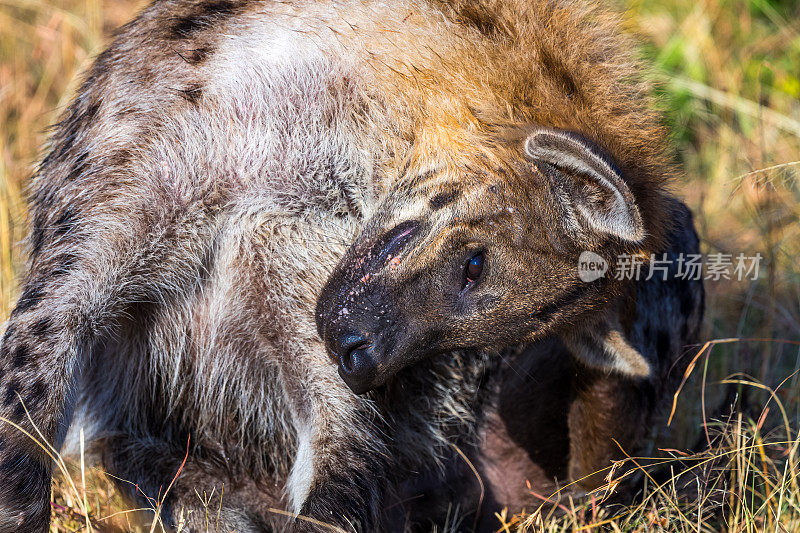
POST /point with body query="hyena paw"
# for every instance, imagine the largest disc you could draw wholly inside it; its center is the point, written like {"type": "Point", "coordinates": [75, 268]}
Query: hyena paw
{"type": "Point", "coordinates": [32, 518]}
{"type": "Point", "coordinates": [344, 506]}
{"type": "Point", "coordinates": [24, 496]}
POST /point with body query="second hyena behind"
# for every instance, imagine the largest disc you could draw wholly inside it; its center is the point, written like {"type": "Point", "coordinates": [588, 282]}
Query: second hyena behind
{"type": "Point", "coordinates": [211, 172]}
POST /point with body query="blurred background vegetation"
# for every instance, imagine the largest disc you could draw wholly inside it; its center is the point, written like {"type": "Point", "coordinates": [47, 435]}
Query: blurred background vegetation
{"type": "Point", "coordinates": [727, 74]}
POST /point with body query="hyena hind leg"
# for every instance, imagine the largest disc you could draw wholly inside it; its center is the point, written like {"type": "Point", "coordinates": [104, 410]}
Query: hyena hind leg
{"type": "Point", "coordinates": [74, 294]}
{"type": "Point", "coordinates": [204, 496]}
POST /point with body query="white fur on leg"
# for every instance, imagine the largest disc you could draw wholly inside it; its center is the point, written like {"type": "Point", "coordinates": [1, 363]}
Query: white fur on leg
{"type": "Point", "coordinates": [299, 483]}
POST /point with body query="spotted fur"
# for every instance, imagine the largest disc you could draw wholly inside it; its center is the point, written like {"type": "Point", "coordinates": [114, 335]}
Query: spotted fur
{"type": "Point", "coordinates": [211, 172]}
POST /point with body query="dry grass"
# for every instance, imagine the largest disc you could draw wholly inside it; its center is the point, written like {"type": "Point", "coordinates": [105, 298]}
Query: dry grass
{"type": "Point", "coordinates": [728, 74]}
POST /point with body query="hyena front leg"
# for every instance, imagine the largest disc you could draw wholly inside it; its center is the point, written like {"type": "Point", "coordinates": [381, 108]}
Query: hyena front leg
{"type": "Point", "coordinates": [339, 472]}
{"type": "Point", "coordinates": [339, 468]}
{"type": "Point", "coordinates": [78, 286]}
{"type": "Point", "coordinates": [608, 418]}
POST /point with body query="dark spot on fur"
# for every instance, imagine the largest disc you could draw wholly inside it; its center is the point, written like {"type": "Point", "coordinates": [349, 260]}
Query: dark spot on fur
{"type": "Point", "coordinates": [21, 356]}
{"type": "Point", "coordinates": [91, 111]}
{"type": "Point", "coordinates": [420, 179]}
{"type": "Point", "coordinates": [45, 278]}
{"type": "Point", "coordinates": [119, 158]}
{"type": "Point", "coordinates": [196, 55]}
{"type": "Point", "coordinates": [192, 94]}
{"type": "Point", "coordinates": [30, 298]}
{"type": "Point", "coordinates": [69, 129]}
{"type": "Point", "coordinates": [41, 326]}
{"type": "Point", "coordinates": [37, 236]}
{"type": "Point", "coordinates": [204, 16]}
{"type": "Point", "coordinates": [64, 264]}
{"type": "Point", "coordinates": [185, 26]}
{"type": "Point", "coordinates": [65, 221]}
{"type": "Point", "coordinates": [560, 74]}
{"type": "Point", "coordinates": [199, 54]}
{"type": "Point", "coordinates": [19, 412]}
{"type": "Point", "coordinates": [480, 18]}
{"type": "Point", "coordinates": [37, 393]}
{"type": "Point", "coordinates": [78, 166]}
{"type": "Point", "coordinates": [80, 115]}
{"type": "Point", "coordinates": [442, 199]}
{"type": "Point", "coordinates": [11, 392]}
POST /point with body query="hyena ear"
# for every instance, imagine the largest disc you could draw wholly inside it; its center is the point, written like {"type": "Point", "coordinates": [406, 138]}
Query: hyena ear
{"type": "Point", "coordinates": [602, 344]}
{"type": "Point", "coordinates": [592, 196]}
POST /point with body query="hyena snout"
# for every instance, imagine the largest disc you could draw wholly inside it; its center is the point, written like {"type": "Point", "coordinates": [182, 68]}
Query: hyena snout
{"type": "Point", "coordinates": [357, 360]}
{"type": "Point", "coordinates": [363, 336]}
{"type": "Point", "coordinates": [357, 316]}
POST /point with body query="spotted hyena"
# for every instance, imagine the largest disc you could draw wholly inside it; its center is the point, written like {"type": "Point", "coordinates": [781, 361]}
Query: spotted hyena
{"type": "Point", "coordinates": [219, 161]}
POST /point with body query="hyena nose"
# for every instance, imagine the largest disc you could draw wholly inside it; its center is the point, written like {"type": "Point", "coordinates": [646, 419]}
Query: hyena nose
{"type": "Point", "coordinates": [357, 365]}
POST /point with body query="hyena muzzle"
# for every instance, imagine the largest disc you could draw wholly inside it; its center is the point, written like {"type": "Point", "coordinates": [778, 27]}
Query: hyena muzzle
{"type": "Point", "coordinates": [215, 167]}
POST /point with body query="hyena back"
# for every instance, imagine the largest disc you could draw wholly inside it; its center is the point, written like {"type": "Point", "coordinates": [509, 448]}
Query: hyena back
{"type": "Point", "coordinates": [212, 170]}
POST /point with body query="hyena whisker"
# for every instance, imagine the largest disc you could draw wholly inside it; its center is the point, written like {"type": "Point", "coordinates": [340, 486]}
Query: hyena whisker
{"type": "Point", "coordinates": [516, 368]}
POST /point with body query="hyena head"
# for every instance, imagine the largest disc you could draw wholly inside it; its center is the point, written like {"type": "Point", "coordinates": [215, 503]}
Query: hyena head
{"type": "Point", "coordinates": [483, 255]}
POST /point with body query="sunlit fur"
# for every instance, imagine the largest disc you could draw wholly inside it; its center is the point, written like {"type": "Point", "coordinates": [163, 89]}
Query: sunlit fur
{"type": "Point", "coordinates": [201, 186]}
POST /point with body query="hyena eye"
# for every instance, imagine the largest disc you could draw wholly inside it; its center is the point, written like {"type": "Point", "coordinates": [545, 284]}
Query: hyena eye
{"type": "Point", "coordinates": [474, 268]}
